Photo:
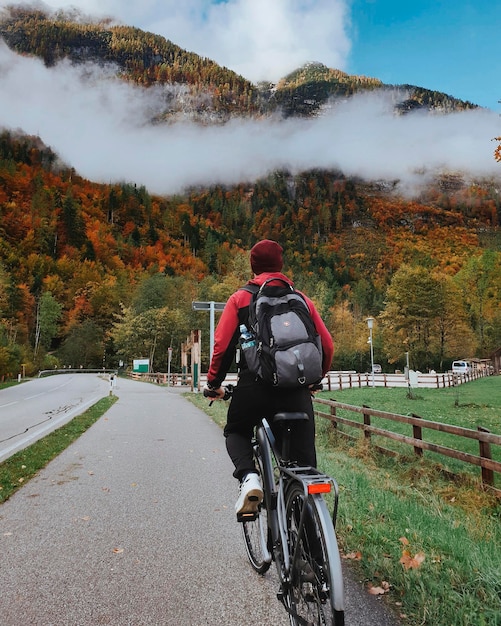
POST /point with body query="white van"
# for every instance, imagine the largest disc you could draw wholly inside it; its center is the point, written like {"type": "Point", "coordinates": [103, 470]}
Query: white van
{"type": "Point", "coordinates": [461, 367]}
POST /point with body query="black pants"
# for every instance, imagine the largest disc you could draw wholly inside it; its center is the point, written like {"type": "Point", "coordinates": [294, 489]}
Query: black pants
{"type": "Point", "coordinates": [253, 400]}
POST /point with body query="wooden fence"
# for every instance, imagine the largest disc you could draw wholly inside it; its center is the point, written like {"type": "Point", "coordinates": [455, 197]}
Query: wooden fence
{"type": "Point", "coordinates": [485, 438]}
{"type": "Point", "coordinates": [172, 380]}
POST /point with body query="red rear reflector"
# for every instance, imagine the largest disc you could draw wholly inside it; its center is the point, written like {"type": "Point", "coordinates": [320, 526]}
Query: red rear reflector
{"type": "Point", "coordinates": [319, 488]}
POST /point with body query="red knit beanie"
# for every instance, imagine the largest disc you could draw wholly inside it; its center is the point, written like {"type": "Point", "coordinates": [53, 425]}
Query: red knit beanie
{"type": "Point", "coordinates": [266, 256]}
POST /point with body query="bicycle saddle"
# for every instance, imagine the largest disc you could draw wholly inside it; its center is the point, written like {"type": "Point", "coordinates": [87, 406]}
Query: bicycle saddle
{"type": "Point", "coordinates": [291, 417]}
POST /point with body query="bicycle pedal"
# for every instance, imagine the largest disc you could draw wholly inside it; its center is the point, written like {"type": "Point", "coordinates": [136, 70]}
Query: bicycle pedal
{"type": "Point", "coordinates": [247, 517]}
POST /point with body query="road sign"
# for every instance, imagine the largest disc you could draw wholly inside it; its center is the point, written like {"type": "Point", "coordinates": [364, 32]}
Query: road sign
{"type": "Point", "coordinates": [209, 306]}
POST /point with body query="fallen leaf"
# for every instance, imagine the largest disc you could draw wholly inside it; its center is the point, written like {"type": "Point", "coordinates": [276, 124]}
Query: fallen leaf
{"type": "Point", "coordinates": [377, 591]}
{"type": "Point", "coordinates": [118, 550]}
{"type": "Point", "coordinates": [412, 562]}
{"type": "Point", "coordinates": [404, 541]}
{"type": "Point", "coordinates": [353, 556]}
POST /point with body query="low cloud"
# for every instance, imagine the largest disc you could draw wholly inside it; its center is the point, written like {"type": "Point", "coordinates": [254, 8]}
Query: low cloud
{"type": "Point", "coordinates": [100, 126]}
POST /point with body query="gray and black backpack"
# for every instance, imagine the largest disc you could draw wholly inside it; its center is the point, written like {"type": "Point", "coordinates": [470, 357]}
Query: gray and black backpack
{"type": "Point", "coordinates": [285, 349]}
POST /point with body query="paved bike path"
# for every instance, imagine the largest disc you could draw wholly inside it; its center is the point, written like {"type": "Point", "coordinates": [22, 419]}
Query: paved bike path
{"type": "Point", "coordinates": [133, 524]}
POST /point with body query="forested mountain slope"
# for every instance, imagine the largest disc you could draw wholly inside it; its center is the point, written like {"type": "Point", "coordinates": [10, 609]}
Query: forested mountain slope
{"type": "Point", "coordinates": [149, 59]}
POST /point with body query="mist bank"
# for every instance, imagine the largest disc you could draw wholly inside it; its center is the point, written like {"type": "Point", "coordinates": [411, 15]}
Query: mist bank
{"type": "Point", "coordinates": [102, 128]}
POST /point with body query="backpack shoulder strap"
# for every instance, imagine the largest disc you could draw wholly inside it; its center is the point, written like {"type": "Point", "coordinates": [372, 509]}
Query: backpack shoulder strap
{"type": "Point", "coordinates": [253, 290]}
{"type": "Point", "coordinates": [250, 287]}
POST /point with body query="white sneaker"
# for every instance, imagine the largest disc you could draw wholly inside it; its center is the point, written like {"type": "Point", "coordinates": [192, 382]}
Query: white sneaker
{"type": "Point", "coordinates": [251, 496]}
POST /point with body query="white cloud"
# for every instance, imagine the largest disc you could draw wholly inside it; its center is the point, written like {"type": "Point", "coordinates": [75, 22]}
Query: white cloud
{"type": "Point", "coordinates": [265, 40]}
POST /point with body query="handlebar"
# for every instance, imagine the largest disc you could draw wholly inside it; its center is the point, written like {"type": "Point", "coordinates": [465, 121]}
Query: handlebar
{"type": "Point", "coordinates": [228, 391]}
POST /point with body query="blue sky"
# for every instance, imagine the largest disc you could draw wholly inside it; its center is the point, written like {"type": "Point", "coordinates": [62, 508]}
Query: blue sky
{"type": "Point", "coordinates": [445, 45]}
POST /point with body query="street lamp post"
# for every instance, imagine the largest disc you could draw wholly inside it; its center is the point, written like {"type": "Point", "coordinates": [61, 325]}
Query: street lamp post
{"type": "Point", "coordinates": [370, 324]}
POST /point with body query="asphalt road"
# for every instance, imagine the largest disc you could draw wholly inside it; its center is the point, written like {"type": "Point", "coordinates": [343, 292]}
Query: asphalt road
{"type": "Point", "coordinates": [133, 524]}
{"type": "Point", "coordinates": [32, 409]}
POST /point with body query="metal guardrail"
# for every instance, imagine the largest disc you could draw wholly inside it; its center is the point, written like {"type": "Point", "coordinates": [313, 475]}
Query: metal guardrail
{"type": "Point", "coordinates": [69, 370]}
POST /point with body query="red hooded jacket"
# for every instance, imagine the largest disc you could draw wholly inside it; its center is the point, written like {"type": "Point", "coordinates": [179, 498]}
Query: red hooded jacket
{"type": "Point", "coordinates": [236, 312]}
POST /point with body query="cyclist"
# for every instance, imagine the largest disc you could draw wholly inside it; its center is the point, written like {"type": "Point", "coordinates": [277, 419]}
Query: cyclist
{"type": "Point", "coordinates": [252, 398]}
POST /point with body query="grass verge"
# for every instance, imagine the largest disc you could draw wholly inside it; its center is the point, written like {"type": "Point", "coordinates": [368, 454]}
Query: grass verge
{"type": "Point", "coordinates": [23, 465]}
{"type": "Point", "coordinates": [430, 546]}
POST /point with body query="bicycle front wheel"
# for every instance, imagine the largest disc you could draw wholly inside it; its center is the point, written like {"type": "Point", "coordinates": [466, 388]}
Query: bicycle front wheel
{"type": "Point", "coordinates": [316, 594]}
{"type": "Point", "coordinates": [256, 539]}
{"type": "Point", "coordinates": [256, 534]}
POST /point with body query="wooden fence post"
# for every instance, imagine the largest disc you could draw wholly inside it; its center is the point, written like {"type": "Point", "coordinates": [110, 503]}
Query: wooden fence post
{"type": "Point", "coordinates": [333, 414]}
{"type": "Point", "coordinates": [367, 422]}
{"type": "Point", "coordinates": [485, 452]}
{"type": "Point", "coordinates": [417, 433]}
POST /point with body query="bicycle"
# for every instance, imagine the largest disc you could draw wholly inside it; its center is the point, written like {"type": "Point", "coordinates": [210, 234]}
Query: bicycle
{"type": "Point", "coordinates": [293, 527]}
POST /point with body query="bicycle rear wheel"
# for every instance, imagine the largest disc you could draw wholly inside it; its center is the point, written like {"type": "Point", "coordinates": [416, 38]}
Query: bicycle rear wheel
{"type": "Point", "coordinates": [316, 594]}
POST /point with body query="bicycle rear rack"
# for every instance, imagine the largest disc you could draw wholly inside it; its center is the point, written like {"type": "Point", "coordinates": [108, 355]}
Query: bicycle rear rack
{"type": "Point", "coordinates": [315, 483]}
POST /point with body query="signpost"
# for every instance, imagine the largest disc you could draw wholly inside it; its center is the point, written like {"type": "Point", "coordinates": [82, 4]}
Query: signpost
{"type": "Point", "coordinates": [141, 365]}
{"type": "Point", "coordinates": [212, 307]}
{"type": "Point", "coordinates": [169, 360]}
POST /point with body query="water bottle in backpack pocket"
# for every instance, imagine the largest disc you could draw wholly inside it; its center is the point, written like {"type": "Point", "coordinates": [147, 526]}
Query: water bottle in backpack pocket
{"type": "Point", "coordinates": [248, 347]}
